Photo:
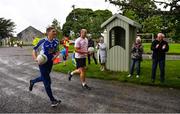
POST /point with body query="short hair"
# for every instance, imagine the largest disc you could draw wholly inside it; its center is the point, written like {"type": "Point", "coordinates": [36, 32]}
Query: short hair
{"type": "Point", "coordinates": [160, 34]}
{"type": "Point", "coordinates": [84, 30]}
{"type": "Point", "coordinates": [101, 38]}
{"type": "Point", "coordinates": [49, 29]}
{"type": "Point", "coordinates": [138, 38]}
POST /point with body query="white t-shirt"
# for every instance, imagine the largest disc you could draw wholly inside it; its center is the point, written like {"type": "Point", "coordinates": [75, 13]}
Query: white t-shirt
{"type": "Point", "coordinates": [81, 43]}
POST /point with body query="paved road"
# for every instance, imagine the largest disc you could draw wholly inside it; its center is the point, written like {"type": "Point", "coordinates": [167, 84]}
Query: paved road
{"type": "Point", "coordinates": [17, 68]}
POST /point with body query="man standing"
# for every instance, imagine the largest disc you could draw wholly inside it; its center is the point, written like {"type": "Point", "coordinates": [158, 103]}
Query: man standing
{"type": "Point", "coordinates": [159, 48]}
{"type": "Point", "coordinates": [91, 44]}
{"type": "Point", "coordinates": [50, 47]}
{"type": "Point", "coordinates": [81, 45]}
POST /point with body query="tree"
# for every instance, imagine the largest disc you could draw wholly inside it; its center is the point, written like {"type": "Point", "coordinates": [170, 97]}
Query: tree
{"type": "Point", "coordinates": [76, 20]}
{"type": "Point", "coordinates": [174, 15]}
{"type": "Point", "coordinates": [142, 7]}
{"type": "Point", "coordinates": [6, 28]}
{"type": "Point", "coordinates": [152, 24]}
{"type": "Point", "coordinates": [98, 18]}
{"type": "Point", "coordinates": [57, 26]}
{"type": "Point", "coordinates": [86, 18]}
{"type": "Point", "coordinates": [146, 9]}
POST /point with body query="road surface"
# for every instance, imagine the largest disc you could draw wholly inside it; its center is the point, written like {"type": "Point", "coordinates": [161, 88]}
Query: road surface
{"type": "Point", "coordinates": [17, 68]}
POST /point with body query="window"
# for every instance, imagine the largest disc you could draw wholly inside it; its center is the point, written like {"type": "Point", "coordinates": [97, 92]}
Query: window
{"type": "Point", "coordinates": [117, 37]}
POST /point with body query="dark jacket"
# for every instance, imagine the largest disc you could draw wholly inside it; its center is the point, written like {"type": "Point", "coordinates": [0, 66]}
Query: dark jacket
{"type": "Point", "coordinates": [137, 51]}
{"type": "Point", "coordinates": [90, 43]}
{"type": "Point", "coordinates": [159, 53]}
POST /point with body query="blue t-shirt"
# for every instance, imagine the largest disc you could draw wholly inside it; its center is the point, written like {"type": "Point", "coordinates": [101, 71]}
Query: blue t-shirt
{"type": "Point", "coordinates": [49, 48]}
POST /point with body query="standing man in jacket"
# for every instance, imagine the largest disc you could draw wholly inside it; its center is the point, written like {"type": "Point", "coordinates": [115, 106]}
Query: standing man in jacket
{"type": "Point", "coordinates": [159, 48]}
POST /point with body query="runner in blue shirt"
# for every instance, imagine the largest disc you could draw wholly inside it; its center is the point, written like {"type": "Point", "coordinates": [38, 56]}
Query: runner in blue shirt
{"type": "Point", "coordinates": [49, 47]}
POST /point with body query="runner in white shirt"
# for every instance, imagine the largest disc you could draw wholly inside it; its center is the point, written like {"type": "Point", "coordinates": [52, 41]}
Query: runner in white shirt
{"type": "Point", "coordinates": [81, 46]}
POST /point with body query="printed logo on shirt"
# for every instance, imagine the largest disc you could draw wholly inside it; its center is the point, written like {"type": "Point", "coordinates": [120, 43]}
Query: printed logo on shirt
{"type": "Point", "coordinates": [51, 50]}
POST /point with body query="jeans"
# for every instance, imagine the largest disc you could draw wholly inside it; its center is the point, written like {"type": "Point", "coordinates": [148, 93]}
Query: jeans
{"type": "Point", "coordinates": [161, 67]}
{"type": "Point", "coordinates": [45, 70]}
{"type": "Point", "coordinates": [89, 58]}
{"type": "Point", "coordinates": [133, 63]}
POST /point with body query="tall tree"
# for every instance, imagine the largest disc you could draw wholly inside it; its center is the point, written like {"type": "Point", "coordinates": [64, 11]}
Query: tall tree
{"type": "Point", "coordinates": [98, 18]}
{"type": "Point", "coordinates": [57, 26]}
{"type": "Point", "coordinates": [146, 9]}
{"type": "Point", "coordinates": [174, 6]}
{"type": "Point", "coordinates": [76, 20]}
{"type": "Point", "coordinates": [6, 28]}
{"type": "Point", "coordinates": [152, 24]}
{"type": "Point", "coordinates": [86, 18]}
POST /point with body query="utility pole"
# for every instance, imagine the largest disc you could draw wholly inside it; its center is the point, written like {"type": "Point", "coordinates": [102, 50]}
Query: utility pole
{"type": "Point", "coordinates": [74, 17]}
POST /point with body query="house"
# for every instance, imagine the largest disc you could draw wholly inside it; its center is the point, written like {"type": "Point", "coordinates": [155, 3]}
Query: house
{"type": "Point", "coordinates": [28, 34]}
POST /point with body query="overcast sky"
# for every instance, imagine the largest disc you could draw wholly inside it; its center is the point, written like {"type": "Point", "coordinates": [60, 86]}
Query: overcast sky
{"type": "Point", "coordinates": [40, 13]}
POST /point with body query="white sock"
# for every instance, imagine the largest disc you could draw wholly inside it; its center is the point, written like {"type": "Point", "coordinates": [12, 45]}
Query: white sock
{"type": "Point", "coordinates": [84, 83]}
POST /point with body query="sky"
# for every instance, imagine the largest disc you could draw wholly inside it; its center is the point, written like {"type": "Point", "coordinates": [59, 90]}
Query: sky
{"type": "Point", "coordinates": [40, 13]}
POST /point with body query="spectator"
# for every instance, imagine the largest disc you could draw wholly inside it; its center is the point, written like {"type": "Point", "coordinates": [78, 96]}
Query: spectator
{"type": "Point", "coordinates": [91, 44]}
{"type": "Point", "coordinates": [102, 53]}
{"type": "Point", "coordinates": [136, 56]}
{"type": "Point", "coordinates": [63, 53]}
{"type": "Point", "coordinates": [66, 44]}
{"type": "Point", "coordinates": [159, 48]}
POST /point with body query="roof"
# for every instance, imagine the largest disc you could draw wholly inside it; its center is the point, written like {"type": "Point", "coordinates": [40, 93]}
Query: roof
{"type": "Point", "coordinates": [127, 20]}
{"type": "Point", "coordinates": [30, 28]}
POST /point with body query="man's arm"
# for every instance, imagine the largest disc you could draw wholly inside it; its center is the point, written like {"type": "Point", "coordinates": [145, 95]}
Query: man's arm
{"type": "Point", "coordinates": [57, 50]}
{"type": "Point", "coordinates": [154, 46]}
{"type": "Point", "coordinates": [81, 52]}
{"type": "Point", "coordinates": [34, 55]}
{"type": "Point", "coordinates": [165, 47]}
{"type": "Point", "coordinates": [34, 52]}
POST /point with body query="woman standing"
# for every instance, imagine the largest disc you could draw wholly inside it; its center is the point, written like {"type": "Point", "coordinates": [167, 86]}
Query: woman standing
{"type": "Point", "coordinates": [102, 53]}
{"type": "Point", "coordinates": [136, 55]}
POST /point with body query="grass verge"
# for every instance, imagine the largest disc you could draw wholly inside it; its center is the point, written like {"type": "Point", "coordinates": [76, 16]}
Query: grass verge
{"type": "Point", "coordinates": [172, 73]}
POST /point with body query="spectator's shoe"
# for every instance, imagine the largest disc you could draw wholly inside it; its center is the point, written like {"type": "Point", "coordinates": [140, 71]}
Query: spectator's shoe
{"type": "Point", "coordinates": [31, 85]}
{"type": "Point", "coordinates": [137, 76]}
{"type": "Point", "coordinates": [86, 87]}
{"type": "Point", "coordinates": [70, 76]}
{"type": "Point", "coordinates": [129, 76]}
{"type": "Point", "coordinates": [55, 103]}
{"type": "Point", "coordinates": [102, 69]}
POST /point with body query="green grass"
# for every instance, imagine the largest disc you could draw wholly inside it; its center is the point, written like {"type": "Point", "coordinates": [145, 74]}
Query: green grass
{"type": "Point", "coordinates": [174, 48]}
{"type": "Point", "coordinates": [172, 73]}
